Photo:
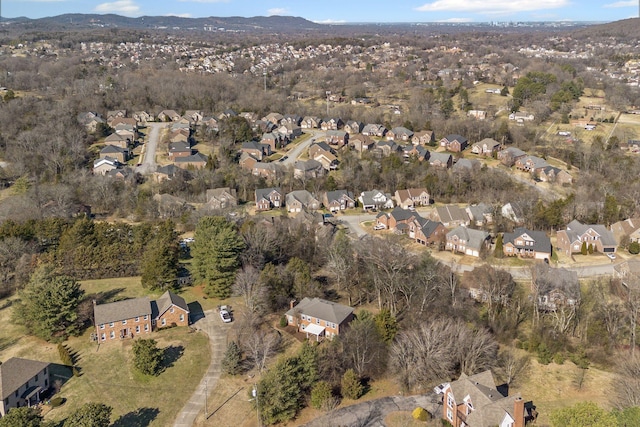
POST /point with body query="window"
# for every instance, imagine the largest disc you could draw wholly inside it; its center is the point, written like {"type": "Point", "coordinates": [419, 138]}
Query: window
{"type": "Point", "coordinates": [182, 317]}
{"type": "Point", "coordinates": [146, 327]}
{"type": "Point", "coordinates": [137, 329]}
{"type": "Point", "coordinates": [104, 337]}
{"type": "Point", "coordinates": [171, 310]}
{"type": "Point", "coordinates": [164, 322]}
{"type": "Point", "coordinates": [112, 335]}
{"type": "Point", "coordinates": [318, 321]}
{"type": "Point", "coordinates": [102, 326]}
{"type": "Point", "coordinates": [450, 415]}
{"type": "Point", "coordinates": [124, 322]}
{"type": "Point", "coordinates": [146, 317]}
{"type": "Point", "coordinates": [137, 319]}
{"type": "Point", "coordinates": [450, 401]}
{"type": "Point", "coordinates": [36, 378]}
{"type": "Point", "coordinates": [111, 325]}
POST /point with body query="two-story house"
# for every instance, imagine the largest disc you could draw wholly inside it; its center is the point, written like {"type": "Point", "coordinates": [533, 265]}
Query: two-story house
{"type": "Point", "coordinates": [555, 288]}
{"type": "Point", "coordinates": [137, 316]}
{"type": "Point", "coordinates": [375, 199]}
{"type": "Point", "coordinates": [319, 317]}
{"type": "Point", "coordinates": [21, 382]}
{"type": "Point", "coordinates": [269, 198]}
{"type": "Point", "coordinates": [474, 401]}
{"type": "Point", "coordinates": [467, 241]}
{"type": "Point", "coordinates": [527, 244]}
{"type": "Point", "coordinates": [338, 200]}
{"type": "Point", "coordinates": [300, 200]}
{"type": "Point", "coordinates": [570, 240]}
{"type": "Point", "coordinates": [412, 197]}
{"type": "Point", "coordinates": [454, 143]}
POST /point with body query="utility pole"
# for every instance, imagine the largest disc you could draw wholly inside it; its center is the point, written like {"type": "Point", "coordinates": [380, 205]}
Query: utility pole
{"type": "Point", "coordinates": [265, 80]}
{"type": "Point", "coordinates": [255, 395]}
{"type": "Point", "coordinates": [328, 93]}
{"type": "Point", "coordinates": [206, 392]}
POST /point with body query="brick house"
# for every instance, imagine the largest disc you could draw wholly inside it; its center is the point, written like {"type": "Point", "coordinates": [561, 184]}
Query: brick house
{"type": "Point", "coordinates": [338, 200]}
{"type": "Point", "coordinates": [221, 198]}
{"type": "Point", "coordinates": [179, 149]}
{"type": "Point", "coordinates": [455, 143]}
{"type": "Point", "coordinates": [130, 318]}
{"type": "Point", "coordinates": [398, 219]}
{"type": "Point", "coordinates": [486, 147]}
{"type": "Point", "coordinates": [300, 200]}
{"type": "Point", "coordinates": [527, 244]}
{"type": "Point", "coordinates": [269, 198]}
{"type": "Point", "coordinates": [475, 401]}
{"type": "Point", "coordinates": [555, 288]}
{"type": "Point", "coordinates": [113, 152]}
{"type": "Point", "coordinates": [412, 197]}
{"type": "Point", "coordinates": [319, 317]}
{"type": "Point", "coordinates": [21, 382]}
{"type": "Point", "coordinates": [427, 232]}
{"type": "Point", "coordinates": [508, 156]}
{"type": "Point", "coordinates": [570, 240]}
{"type": "Point", "coordinates": [196, 161]}
{"type": "Point", "coordinates": [440, 160]}
{"type": "Point", "coordinates": [452, 215]}
{"type": "Point", "coordinates": [400, 134]}
{"type": "Point", "coordinates": [467, 241]}
{"type": "Point", "coordinates": [424, 137]}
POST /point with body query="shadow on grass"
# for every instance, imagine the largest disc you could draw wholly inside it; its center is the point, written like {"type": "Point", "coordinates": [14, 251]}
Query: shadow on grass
{"type": "Point", "coordinates": [171, 355]}
{"type": "Point", "coordinates": [59, 374]}
{"type": "Point", "coordinates": [141, 417]}
{"type": "Point", "coordinates": [195, 311]}
{"type": "Point", "coordinates": [5, 343]}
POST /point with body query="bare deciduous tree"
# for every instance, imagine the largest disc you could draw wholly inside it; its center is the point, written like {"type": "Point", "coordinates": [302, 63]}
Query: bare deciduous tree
{"type": "Point", "coordinates": [249, 286]}
{"type": "Point", "coordinates": [260, 345]}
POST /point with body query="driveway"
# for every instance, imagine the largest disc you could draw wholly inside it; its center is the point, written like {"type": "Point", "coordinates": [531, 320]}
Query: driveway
{"type": "Point", "coordinates": [212, 325]}
{"type": "Point", "coordinates": [149, 150]}
{"type": "Point", "coordinates": [293, 154]}
{"type": "Point", "coordinates": [373, 412]}
{"type": "Point", "coordinates": [353, 222]}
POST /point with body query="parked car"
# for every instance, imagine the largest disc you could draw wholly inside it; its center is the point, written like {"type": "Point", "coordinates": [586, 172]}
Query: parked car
{"type": "Point", "coordinates": [225, 316]}
{"type": "Point", "coordinates": [379, 227]}
{"type": "Point", "coordinates": [439, 389]}
{"type": "Point", "coordinates": [611, 256]}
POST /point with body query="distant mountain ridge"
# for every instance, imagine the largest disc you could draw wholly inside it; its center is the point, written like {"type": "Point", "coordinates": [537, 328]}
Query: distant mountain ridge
{"type": "Point", "coordinates": [626, 28]}
{"type": "Point", "coordinates": [234, 23]}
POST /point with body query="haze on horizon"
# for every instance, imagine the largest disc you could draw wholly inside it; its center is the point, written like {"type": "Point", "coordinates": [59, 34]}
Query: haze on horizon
{"type": "Point", "coordinates": [334, 11]}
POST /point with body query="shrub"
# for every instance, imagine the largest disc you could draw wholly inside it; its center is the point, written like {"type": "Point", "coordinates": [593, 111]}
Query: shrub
{"type": "Point", "coordinates": [57, 401]}
{"type": "Point", "coordinates": [322, 396]}
{"type": "Point", "coordinates": [634, 248]}
{"type": "Point", "coordinates": [232, 359]}
{"type": "Point", "coordinates": [351, 387]}
{"type": "Point", "coordinates": [283, 322]}
{"type": "Point", "coordinates": [147, 356]}
{"type": "Point", "coordinates": [544, 354]}
{"type": "Point", "coordinates": [558, 358]}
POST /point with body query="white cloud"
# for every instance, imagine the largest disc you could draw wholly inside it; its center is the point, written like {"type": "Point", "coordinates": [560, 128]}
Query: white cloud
{"type": "Point", "coordinates": [628, 3]}
{"type": "Point", "coordinates": [277, 11]}
{"type": "Point", "coordinates": [179, 15]}
{"type": "Point", "coordinates": [331, 21]}
{"type": "Point", "coordinates": [456, 20]}
{"type": "Point", "coordinates": [125, 7]}
{"type": "Point", "coordinates": [204, 1]}
{"type": "Point", "coordinates": [45, 1]}
{"type": "Point", "coordinates": [491, 6]}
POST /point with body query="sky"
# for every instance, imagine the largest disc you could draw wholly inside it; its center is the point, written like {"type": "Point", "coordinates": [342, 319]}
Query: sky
{"type": "Point", "coordinates": [342, 11]}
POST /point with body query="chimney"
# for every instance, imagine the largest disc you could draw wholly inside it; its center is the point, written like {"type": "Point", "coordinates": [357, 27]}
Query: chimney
{"type": "Point", "coordinates": [518, 412]}
{"type": "Point", "coordinates": [94, 303]}
{"type": "Point", "coordinates": [292, 304]}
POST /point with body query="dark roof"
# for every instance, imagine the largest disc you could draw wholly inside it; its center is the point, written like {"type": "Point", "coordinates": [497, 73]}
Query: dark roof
{"type": "Point", "coordinates": [194, 158]}
{"type": "Point", "coordinates": [548, 279]}
{"type": "Point", "coordinates": [541, 242]}
{"type": "Point", "coordinates": [169, 170]}
{"type": "Point", "coordinates": [428, 227]}
{"type": "Point", "coordinates": [455, 137]}
{"type": "Point", "coordinates": [322, 309]}
{"type": "Point", "coordinates": [263, 193]}
{"type": "Point", "coordinates": [450, 213]}
{"type": "Point", "coordinates": [575, 229]}
{"type": "Point", "coordinates": [17, 371]}
{"type": "Point", "coordinates": [121, 310]}
{"type": "Point", "coordinates": [109, 149]}
{"type": "Point", "coordinates": [400, 214]}
{"type": "Point", "coordinates": [168, 299]}
{"type": "Point", "coordinates": [337, 195]}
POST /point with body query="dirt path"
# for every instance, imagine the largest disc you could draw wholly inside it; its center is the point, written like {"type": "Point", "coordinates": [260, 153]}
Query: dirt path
{"type": "Point", "coordinates": [217, 331]}
{"type": "Point", "coordinates": [373, 412]}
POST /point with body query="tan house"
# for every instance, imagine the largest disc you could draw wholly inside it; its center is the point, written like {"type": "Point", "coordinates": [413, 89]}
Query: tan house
{"type": "Point", "coordinates": [221, 198]}
{"type": "Point", "coordinates": [467, 241]}
{"type": "Point", "coordinates": [21, 382]}
{"type": "Point", "coordinates": [338, 200]}
{"type": "Point", "coordinates": [114, 152]}
{"type": "Point", "coordinates": [570, 240]}
{"type": "Point", "coordinates": [300, 200]}
{"type": "Point", "coordinates": [319, 317]}
{"type": "Point", "coordinates": [527, 244]}
{"type": "Point", "coordinates": [424, 137]}
{"type": "Point", "coordinates": [105, 165]}
{"type": "Point", "coordinates": [139, 316]}
{"type": "Point", "coordinates": [412, 197]}
{"type": "Point", "coordinates": [486, 147]}
{"type": "Point", "coordinates": [474, 401]}
{"type": "Point", "coordinates": [117, 140]}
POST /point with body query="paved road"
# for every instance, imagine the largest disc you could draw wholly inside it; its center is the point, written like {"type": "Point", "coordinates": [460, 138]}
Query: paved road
{"type": "Point", "coordinates": [373, 412]}
{"type": "Point", "coordinates": [212, 325]}
{"type": "Point", "coordinates": [299, 149]}
{"type": "Point", "coordinates": [149, 150]}
{"type": "Point", "coordinates": [353, 222]}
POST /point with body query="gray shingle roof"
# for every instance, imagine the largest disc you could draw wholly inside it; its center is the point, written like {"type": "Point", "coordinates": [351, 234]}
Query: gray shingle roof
{"type": "Point", "coordinates": [17, 371]}
{"type": "Point", "coordinates": [451, 213]}
{"type": "Point", "coordinates": [168, 299]}
{"type": "Point", "coordinates": [549, 279]}
{"type": "Point", "coordinates": [575, 229]}
{"type": "Point", "coordinates": [474, 238]}
{"type": "Point", "coordinates": [121, 310]}
{"type": "Point", "coordinates": [322, 309]}
{"type": "Point", "coordinates": [541, 242]}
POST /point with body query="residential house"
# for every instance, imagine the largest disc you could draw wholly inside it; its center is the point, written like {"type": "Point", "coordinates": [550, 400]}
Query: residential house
{"type": "Point", "coordinates": [353, 127]}
{"type": "Point", "coordinates": [124, 123]}
{"type": "Point", "coordinates": [269, 171]}
{"type": "Point", "coordinates": [374, 129]}
{"type": "Point", "coordinates": [323, 153]}
{"type": "Point", "coordinates": [398, 219]}
{"type": "Point", "coordinates": [299, 200]}
{"type": "Point", "coordinates": [90, 120]}
{"type": "Point", "coordinates": [454, 143]}
{"type": "Point", "coordinates": [554, 175]}
{"type": "Point", "coordinates": [467, 241]}
{"type": "Point", "coordinates": [116, 114]}
{"type": "Point", "coordinates": [21, 383]}
{"type": "Point", "coordinates": [386, 148]}
{"type": "Point", "coordinates": [194, 116]}
{"type": "Point", "coordinates": [167, 172]}
{"type": "Point", "coordinates": [105, 164]}
{"type": "Point", "coordinates": [247, 161]}
{"type": "Point", "coordinates": [117, 140]}
{"type": "Point", "coordinates": [474, 401]}
{"type": "Point", "coordinates": [525, 243]}
{"type": "Point", "coordinates": [221, 198]}
{"type": "Point", "coordinates": [412, 197]}
{"type": "Point", "coordinates": [440, 160]}
{"type": "Point", "coordinates": [425, 137]}
{"type": "Point", "coordinates": [486, 147]}
{"type": "Point", "coordinates": [113, 152]}
{"type": "Point", "coordinates": [290, 131]}
{"type": "Point", "coordinates": [310, 122]}
{"type": "Point", "coordinates": [274, 140]}
{"type": "Point", "coordinates": [555, 288]}
{"type": "Point", "coordinates": [531, 164]}
{"type": "Point", "coordinates": [319, 317]}
{"type": "Point", "coordinates": [400, 134]}
{"type": "Point", "coordinates": [509, 156]}
{"type": "Point", "coordinates": [521, 117]}
{"type": "Point", "coordinates": [361, 143]}
{"type": "Point", "coordinates": [427, 232]}
{"type": "Point", "coordinates": [256, 149]}
{"type": "Point", "coordinates": [305, 169]}
{"type": "Point", "coordinates": [227, 114]}
{"type": "Point", "coordinates": [179, 149]}
{"type": "Point", "coordinates": [337, 137]}
{"type": "Point", "coordinates": [273, 117]}
{"type": "Point", "coordinates": [375, 199]}
{"type": "Point", "coordinates": [629, 273]}
{"type": "Point", "coordinates": [179, 135]}
{"type": "Point", "coordinates": [142, 117]}
{"type": "Point", "coordinates": [452, 216]}
{"type": "Point", "coordinates": [570, 240]}
{"type": "Point", "coordinates": [210, 122]}
{"type": "Point", "coordinates": [626, 229]}
{"type": "Point", "coordinates": [480, 214]}
{"type": "Point", "coordinates": [196, 161]}
{"type": "Point", "coordinates": [269, 198]}
{"type": "Point", "coordinates": [318, 148]}
{"type": "Point", "coordinates": [477, 114]}
{"type": "Point", "coordinates": [120, 173]}
{"type": "Point", "coordinates": [338, 200]}
{"type": "Point", "coordinates": [333, 123]}
{"type": "Point", "coordinates": [168, 116]}
{"type": "Point", "coordinates": [138, 316]}
{"type": "Point", "coordinates": [291, 119]}
{"type": "Point", "coordinates": [416, 152]}
{"type": "Point", "coordinates": [513, 212]}
{"type": "Point", "coordinates": [466, 165]}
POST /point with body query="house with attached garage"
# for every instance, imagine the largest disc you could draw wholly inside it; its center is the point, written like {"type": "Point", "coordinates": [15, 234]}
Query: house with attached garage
{"type": "Point", "coordinates": [452, 215]}
{"type": "Point", "coordinates": [375, 199]}
{"type": "Point", "coordinates": [138, 316]}
{"type": "Point", "coordinates": [269, 198]}
{"type": "Point", "coordinates": [338, 200]}
{"type": "Point", "coordinates": [554, 288]}
{"type": "Point", "coordinates": [570, 240]}
{"type": "Point", "coordinates": [300, 200]}
{"type": "Point", "coordinates": [474, 401]}
{"type": "Point", "coordinates": [527, 244]}
{"type": "Point", "coordinates": [455, 143]}
{"type": "Point", "coordinates": [319, 317]}
{"type": "Point", "coordinates": [21, 382]}
{"type": "Point", "coordinates": [486, 147]}
{"type": "Point", "coordinates": [412, 197]}
{"type": "Point", "coordinates": [467, 241]}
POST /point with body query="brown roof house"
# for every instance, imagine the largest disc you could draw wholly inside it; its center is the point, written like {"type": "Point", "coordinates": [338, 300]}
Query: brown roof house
{"type": "Point", "coordinates": [486, 147]}
{"type": "Point", "coordinates": [527, 244]}
{"type": "Point", "coordinates": [467, 241]}
{"type": "Point", "coordinates": [196, 161]}
{"type": "Point", "coordinates": [129, 318]}
{"type": "Point", "coordinates": [424, 137]}
{"type": "Point", "coordinates": [400, 134]}
{"type": "Point", "coordinates": [412, 197]}
{"type": "Point", "coordinates": [508, 156]}
{"type": "Point", "coordinates": [304, 169]}
{"type": "Point", "coordinates": [570, 240]}
{"type": "Point", "coordinates": [21, 382]}
{"type": "Point", "coordinates": [474, 401]}
{"type": "Point", "coordinates": [398, 219]}
{"type": "Point", "coordinates": [319, 317]}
